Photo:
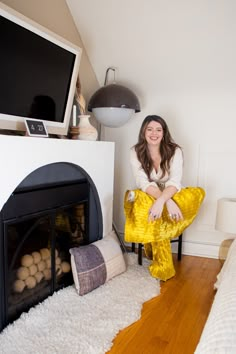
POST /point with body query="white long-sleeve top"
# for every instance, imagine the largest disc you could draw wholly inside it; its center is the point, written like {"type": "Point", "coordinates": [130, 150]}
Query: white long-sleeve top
{"type": "Point", "coordinates": [173, 178]}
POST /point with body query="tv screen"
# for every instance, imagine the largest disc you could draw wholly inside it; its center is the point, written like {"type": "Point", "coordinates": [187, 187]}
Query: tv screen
{"type": "Point", "coordinates": [38, 72]}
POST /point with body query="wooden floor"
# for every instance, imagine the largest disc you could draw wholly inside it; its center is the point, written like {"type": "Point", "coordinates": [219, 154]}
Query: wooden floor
{"type": "Point", "coordinates": [172, 322]}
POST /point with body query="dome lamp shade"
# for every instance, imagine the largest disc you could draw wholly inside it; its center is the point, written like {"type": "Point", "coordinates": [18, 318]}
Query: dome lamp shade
{"type": "Point", "coordinates": [113, 105]}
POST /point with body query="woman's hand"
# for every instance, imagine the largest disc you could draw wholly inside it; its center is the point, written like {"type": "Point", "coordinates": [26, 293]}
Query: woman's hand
{"type": "Point", "coordinates": [155, 211]}
{"type": "Point", "coordinates": [174, 211]}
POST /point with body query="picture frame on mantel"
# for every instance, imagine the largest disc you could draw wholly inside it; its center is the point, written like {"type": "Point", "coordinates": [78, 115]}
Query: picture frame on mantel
{"type": "Point", "coordinates": [36, 128]}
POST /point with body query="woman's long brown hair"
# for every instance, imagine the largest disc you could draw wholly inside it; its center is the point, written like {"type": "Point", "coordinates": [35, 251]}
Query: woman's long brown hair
{"type": "Point", "coordinates": [167, 147]}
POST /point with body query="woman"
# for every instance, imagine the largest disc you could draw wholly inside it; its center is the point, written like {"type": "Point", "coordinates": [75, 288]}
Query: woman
{"type": "Point", "coordinates": [160, 209]}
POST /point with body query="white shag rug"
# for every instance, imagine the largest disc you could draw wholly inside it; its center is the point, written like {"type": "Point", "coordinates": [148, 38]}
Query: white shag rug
{"type": "Point", "coordinates": [68, 323]}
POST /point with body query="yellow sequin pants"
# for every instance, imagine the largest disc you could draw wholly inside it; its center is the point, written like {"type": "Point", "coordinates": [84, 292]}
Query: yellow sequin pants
{"type": "Point", "coordinates": [156, 235]}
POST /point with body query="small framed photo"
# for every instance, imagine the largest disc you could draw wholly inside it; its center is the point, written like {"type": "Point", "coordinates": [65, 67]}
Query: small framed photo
{"type": "Point", "coordinates": [36, 127]}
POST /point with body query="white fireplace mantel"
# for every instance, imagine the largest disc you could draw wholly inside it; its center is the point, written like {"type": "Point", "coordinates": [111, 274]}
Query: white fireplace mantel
{"type": "Point", "coordinates": [22, 155]}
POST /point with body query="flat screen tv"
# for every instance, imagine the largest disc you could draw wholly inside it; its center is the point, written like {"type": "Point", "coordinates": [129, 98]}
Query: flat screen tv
{"type": "Point", "coordinates": [38, 74]}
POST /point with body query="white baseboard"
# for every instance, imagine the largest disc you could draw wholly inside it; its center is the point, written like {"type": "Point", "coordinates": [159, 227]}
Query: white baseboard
{"type": "Point", "coordinates": [198, 249]}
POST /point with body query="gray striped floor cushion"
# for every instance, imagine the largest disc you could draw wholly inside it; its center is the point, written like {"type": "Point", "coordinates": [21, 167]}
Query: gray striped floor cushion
{"type": "Point", "coordinates": [94, 264]}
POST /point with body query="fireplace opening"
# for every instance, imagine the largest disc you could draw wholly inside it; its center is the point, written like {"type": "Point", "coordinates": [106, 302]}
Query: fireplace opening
{"type": "Point", "coordinates": [55, 208]}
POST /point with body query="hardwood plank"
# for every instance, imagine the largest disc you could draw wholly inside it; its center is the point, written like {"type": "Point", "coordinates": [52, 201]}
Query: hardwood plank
{"type": "Point", "coordinates": [172, 322]}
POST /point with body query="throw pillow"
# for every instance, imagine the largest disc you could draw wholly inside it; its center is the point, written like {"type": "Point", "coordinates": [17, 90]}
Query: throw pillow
{"type": "Point", "coordinates": [94, 264]}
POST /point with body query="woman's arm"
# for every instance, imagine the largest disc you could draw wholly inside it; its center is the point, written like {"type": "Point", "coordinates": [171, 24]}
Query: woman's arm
{"type": "Point", "coordinates": [165, 197]}
{"type": "Point", "coordinates": [154, 191]}
{"type": "Point", "coordinates": [166, 194]}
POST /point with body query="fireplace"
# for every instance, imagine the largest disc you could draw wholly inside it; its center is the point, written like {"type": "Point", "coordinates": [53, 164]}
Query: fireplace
{"type": "Point", "coordinates": [55, 207]}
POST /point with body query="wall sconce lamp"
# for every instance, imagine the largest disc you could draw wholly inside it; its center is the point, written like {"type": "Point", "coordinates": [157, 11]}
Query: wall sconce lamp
{"type": "Point", "coordinates": [113, 105]}
{"type": "Point", "coordinates": [226, 215]}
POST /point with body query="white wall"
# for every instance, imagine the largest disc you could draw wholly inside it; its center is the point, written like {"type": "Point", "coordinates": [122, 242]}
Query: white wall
{"type": "Point", "coordinates": [179, 57]}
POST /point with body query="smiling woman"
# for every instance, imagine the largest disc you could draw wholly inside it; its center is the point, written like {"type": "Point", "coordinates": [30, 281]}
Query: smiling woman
{"type": "Point", "coordinates": [160, 209]}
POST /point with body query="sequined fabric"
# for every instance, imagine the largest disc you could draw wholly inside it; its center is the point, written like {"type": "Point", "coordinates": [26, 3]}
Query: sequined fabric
{"type": "Point", "coordinates": [156, 235]}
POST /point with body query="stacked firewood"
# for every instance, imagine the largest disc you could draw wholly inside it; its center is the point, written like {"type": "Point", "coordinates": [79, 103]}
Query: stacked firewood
{"type": "Point", "coordinates": [36, 267]}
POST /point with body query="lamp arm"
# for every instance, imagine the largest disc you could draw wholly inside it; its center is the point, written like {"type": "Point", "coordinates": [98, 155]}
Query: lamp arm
{"type": "Point", "coordinates": [107, 71]}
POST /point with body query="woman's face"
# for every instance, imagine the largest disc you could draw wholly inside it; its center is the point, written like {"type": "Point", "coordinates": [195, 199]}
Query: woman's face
{"type": "Point", "coordinates": [154, 133]}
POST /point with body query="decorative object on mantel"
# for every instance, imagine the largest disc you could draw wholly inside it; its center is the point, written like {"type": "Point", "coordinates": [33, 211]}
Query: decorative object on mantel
{"type": "Point", "coordinates": [74, 133]}
{"type": "Point", "coordinates": [79, 99]}
{"type": "Point", "coordinates": [86, 130]}
{"type": "Point", "coordinates": [113, 105]}
{"type": "Point", "coordinates": [35, 127]}
{"type": "Point", "coordinates": [82, 129]}
{"type": "Point", "coordinates": [68, 323]}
